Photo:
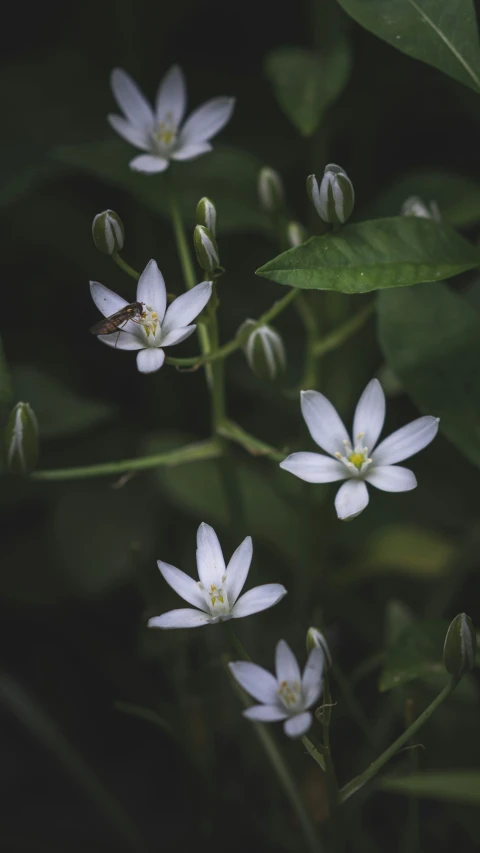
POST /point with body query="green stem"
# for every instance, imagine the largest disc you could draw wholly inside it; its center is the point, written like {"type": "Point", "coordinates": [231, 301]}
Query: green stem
{"type": "Point", "coordinates": [124, 266]}
{"type": "Point", "coordinates": [188, 270]}
{"type": "Point", "coordinates": [307, 316]}
{"type": "Point", "coordinates": [314, 752]}
{"type": "Point", "coordinates": [342, 333]}
{"type": "Point", "coordinates": [359, 781]}
{"type": "Point", "coordinates": [253, 445]}
{"type": "Point", "coordinates": [330, 775]}
{"type": "Point", "coordinates": [352, 703]}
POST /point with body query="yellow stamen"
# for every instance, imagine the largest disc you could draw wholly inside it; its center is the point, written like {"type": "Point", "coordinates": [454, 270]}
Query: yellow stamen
{"type": "Point", "coordinates": [356, 459]}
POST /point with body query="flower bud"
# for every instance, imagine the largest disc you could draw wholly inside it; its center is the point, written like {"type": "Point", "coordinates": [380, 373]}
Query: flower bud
{"type": "Point", "coordinates": [21, 439]}
{"type": "Point", "coordinates": [415, 206]}
{"type": "Point", "coordinates": [316, 640]}
{"type": "Point", "coordinates": [460, 646]}
{"type": "Point", "coordinates": [206, 249]}
{"type": "Point", "coordinates": [264, 350]}
{"type": "Point", "coordinates": [108, 232]}
{"type": "Point", "coordinates": [296, 234]}
{"type": "Point", "coordinates": [206, 215]}
{"type": "Point", "coordinates": [270, 190]}
{"type": "Point", "coordinates": [334, 198]}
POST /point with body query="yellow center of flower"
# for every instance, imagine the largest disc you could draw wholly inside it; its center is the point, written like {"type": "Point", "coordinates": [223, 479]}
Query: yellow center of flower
{"type": "Point", "coordinates": [149, 321]}
{"type": "Point", "coordinates": [216, 594]}
{"type": "Point", "coordinates": [357, 459]}
{"type": "Point", "coordinates": [289, 692]}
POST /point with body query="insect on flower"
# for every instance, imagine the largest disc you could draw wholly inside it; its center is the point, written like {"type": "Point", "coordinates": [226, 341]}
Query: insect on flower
{"type": "Point", "coordinates": [114, 322]}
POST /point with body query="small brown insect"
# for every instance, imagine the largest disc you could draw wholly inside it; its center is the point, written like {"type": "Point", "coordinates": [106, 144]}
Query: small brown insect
{"type": "Point", "coordinates": [114, 323]}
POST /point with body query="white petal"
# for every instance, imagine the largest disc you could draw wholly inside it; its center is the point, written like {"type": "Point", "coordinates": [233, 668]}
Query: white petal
{"type": "Point", "coordinates": [256, 680]}
{"type": "Point", "coordinates": [238, 568]}
{"type": "Point", "coordinates": [135, 135]}
{"type": "Point", "coordinates": [122, 340]}
{"type": "Point", "coordinates": [106, 300]}
{"type": "Point", "coordinates": [312, 679]}
{"type": "Point", "coordinates": [323, 422]}
{"type": "Point", "coordinates": [351, 499]}
{"type": "Point", "coordinates": [210, 562]}
{"type": "Point", "coordinates": [391, 478]}
{"type": "Point", "coordinates": [257, 599]}
{"type": "Point", "coordinates": [314, 467]}
{"type": "Point", "coordinates": [265, 713]}
{"type": "Point", "coordinates": [406, 441]}
{"type": "Point", "coordinates": [286, 666]}
{"type": "Point", "coordinates": [298, 725]}
{"type": "Point", "coordinates": [149, 164]}
{"type": "Point", "coordinates": [149, 360]}
{"type": "Point", "coordinates": [369, 415]}
{"type": "Point", "coordinates": [176, 336]}
{"type": "Point", "coordinates": [183, 584]}
{"type": "Point", "coordinates": [171, 100]}
{"type": "Point", "coordinates": [186, 307]}
{"type": "Point", "coordinates": [191, 150]}
{"type": "Point", "coordinates": [151, 289]}
{"type": "Point", "coordinates": [130, 99]}
{"type": "Point", "coordinates": [184, 618]}
{"type": "Point", "coordinates": [207, 120]}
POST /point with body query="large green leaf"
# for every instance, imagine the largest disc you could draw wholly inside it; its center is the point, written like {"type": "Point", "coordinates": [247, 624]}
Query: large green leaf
{"type": "Point", "coordinates": [460, 786]}
{"type": "Point", "coordinates": [442, 33]}
{"type": "Point", "coordinates": [417, 651]}
{"type": "Point", "coordinates": [458, 198]}
{"type": "Point", "coordinates": [306, 81]}
{"type": "Point", "coordinates": [373, 255]}
{"type": "Point", "coordinates": [431, 340]}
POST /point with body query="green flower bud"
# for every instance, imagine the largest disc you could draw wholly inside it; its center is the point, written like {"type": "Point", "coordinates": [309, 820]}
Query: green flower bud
{"type": "Point", "coordinates": [316, 640]}
{"type": "Point", "coordinates": [460, 646]}
{"type": "Point", "coordinates": [264, 350]}
{"type": "Point", "coordinates": [206, 249]}
{"type": "Point", "coordinates": [206, 215]}
{"type": "Point", "coordinates": [415, 206]}
{"type": "Point", "coordinates": [296, 234]}
{"type": "Point", "coordinates": [21, 439]}
{"type": "Point", "coordinates": [334, 198]}
{"type": "Point", "coordinates": [270, 190]}
{"type": "Point", "coordinates": [108, 232]}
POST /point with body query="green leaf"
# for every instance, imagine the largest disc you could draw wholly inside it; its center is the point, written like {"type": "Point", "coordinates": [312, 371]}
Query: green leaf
{"type": "Point", "coordinates": [431, 341]}
{"type": "Point", "coordinates": [373, 255]}
{"type": "Point", "coordinates": [306, 82]}
{"type": "Point", "coordinates": [442, 34]}
{"type": "Point", "coordinates": [459, 786]}
{"type": "Point", "coordinates": [458, 198]}
{"type": "Point", "coordinates": [415, 652]}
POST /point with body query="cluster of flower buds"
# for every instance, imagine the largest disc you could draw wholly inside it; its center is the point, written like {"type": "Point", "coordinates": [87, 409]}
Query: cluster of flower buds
{"type": "Point", "coordinates": [415, 206]}
{"type": "Point", "coordinates": [21, 439]}
{"type": "Point", "coordinates": [334, 198]}
{"type": "Point", "coordinates": [204, 237]}
{"type": "Point", "coordinates": [108, 232]}
{"type": "Point", "coordinates": [270, 191]}
{"type": "Point", "coordinates": [460, 646]}
{"type": "Point", "coordinates": [264, 350]}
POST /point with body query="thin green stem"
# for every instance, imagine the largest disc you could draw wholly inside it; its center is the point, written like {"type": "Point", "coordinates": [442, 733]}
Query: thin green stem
{"type": "Point", "coordinates": [188, 270]}
{"type": "Point", "coordinates": [352, 703]}
{"type": "Point", "coordinates": [307, 316]}
{"type": "Point", "coordinates": [314, 752]}
{"type": "Point", "coordinates": [371, 771]}
{"type": "Point", "coordinates": [342, 333]}
{"type": "Point", "coordinates": [124, 266]}
{"type": "Point", "coordinates": [253, 445]}
{"type": "Point", "coordinates": [330, 775]}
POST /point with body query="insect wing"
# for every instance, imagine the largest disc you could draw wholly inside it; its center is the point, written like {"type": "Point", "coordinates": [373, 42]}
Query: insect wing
{"type": "Point", "coordinates": [111, 323]}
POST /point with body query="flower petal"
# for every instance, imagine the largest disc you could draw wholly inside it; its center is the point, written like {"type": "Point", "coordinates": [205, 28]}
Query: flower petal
{"type": "Point", "coordinates": [298, 725]}
{"type": "Point", "coordinates": [106, 300]}
{"type": "Point", "coordinates": [351, 499]}
{"type": "Point", "coordinates": [312, 679]}
{"type": "Point", "coordinates": [130, 99]}
{"type": "Point", "coordinates": [257, 599]}
{"type": "Point", "coordinates": [149, 360]}
{"type": "Point", "coordinates": [186, 307]}
{"type": "Point", "coordinates": [122, 340]}
{"type": "Point", "coordinates": [149, 164]}
{"type": "Point", "coordinates": [184, 585]}
{"type": "Point", "coordinates": [323, 421]}
{"type": "Point", "coordinates": [369, 415]}
{"type": "Point", "coordinates": [207, 120]}
{"type": "Point", "coordinates": [256, 680]}
{"type": "Point", "coordinates": [286, 665]}
{"type": "Point", "coordinates": [392, 478]}
{"type": "Point", "coordinates": [406, 441]}
{"type": "Point", "coordinates": [265, 713]}
{"type": "Point", "coordinates": [238, 568]}
{"type": "Point", "coordinates": [191, 150]}
{"type": "Point", "coordinates": [184, 618]}
{"type": "Point", "coordinates": [171, 100]}
{"type": "Point", "coordinates": [210, 562]}
{"type": "Point", "coordinates": [176, 336]}
{"type": "Point", "coordinates": [151, 289]}
{"type": "Point", "coordinates": [135, 135]}
{"type": "Point", "coordinates": [314, 467]}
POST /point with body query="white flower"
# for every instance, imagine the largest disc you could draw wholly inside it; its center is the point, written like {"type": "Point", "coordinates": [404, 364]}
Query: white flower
{"type": "Point", "coordinates": [160, 131]}
{"type": "Point", "coordinates": [415, 206]}
{"type": "Point", "coordinates": [215, 595]}
{"type": "Point", "coordinates": [156, 327]}
{"type": "Point", "coordinates": [359, 461]}
{"type": "Point", "coordinates": [287, 695]}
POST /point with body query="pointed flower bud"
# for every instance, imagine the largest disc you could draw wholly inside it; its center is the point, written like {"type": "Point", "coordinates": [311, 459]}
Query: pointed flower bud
{"type": "Point", "coordinates": [415, 206]}
{"type": "Point", "coordinates": [460, 646]}
{"type": "Point", "coordinates": [264, 350]}
{"type": "Point", "coordinates": [206, 215]}
{"type": "Point", "coordinates": [316, 640]}
{"type": "Point", "coordinates": [270, 190]}
{"type": "Point", "coordinates": [334, 198]}
{"type": "Point", "coordinates": [21, 439]}
{"type": "Point", "coordinates": [296, 234]}
{"type": "Point", "coordinates": [206, 249]}
{"type": "Point", "coordinates": [108, 232]}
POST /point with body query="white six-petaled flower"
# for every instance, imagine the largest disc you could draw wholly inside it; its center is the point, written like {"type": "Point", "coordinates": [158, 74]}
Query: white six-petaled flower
{"type": "Point", "coordinates": [288, 694]}
{"type": "Point", "coordinates": [160, 131]}
{"type": "Point", "coordinates": [215, 597]}
{"type": "Point", "coordinates": [361, 460]}
{"type": "Point", "coordinates": [158, 326]}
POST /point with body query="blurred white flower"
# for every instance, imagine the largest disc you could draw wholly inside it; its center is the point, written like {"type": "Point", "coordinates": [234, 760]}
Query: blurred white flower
{"type": "Point", "coordinates": [160, 131]}
{"type": "Point", "coordinates": [415, 206]}
{"type": "Point", "coordinates": [215, 597]}
{"type": "Point", "coordinates": [359, 461]}
{"type": "Point", "coordinates": [157, 326]}
{"type": "Point", "coordinates": [287, 695]}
